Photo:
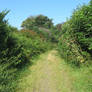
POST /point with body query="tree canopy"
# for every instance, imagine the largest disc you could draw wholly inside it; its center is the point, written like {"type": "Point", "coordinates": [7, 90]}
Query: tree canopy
{"type": "Point", "coordinates": [37, 21]}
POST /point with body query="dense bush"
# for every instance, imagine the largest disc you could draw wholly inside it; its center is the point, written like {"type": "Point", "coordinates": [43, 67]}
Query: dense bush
{"type": "Point", "coordinates": [17, 48]}
{"type": "Point", "coordinates": [81, 23]}
{"type": "Point", "coordinates": [32, 43]}
{"type": "Point", "coordinates": [6, 71]}
{"type": "Point", "coordinates": [75, 42]}
{"type": "Point", "coordinates": [68, 47]}
{"type": "Point", "coordinates": [3, 30]}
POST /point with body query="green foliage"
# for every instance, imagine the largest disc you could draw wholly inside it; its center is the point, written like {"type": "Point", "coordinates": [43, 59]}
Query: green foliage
{"type": "Point", "coordinates": [31, 43]}
{"type": "Point", "coordinates": [6, 71]}
{"type": "Point", "coordinates": [82, 27]}
{"type": "Point", "coordinates": [17, 48]}
{"type": "Point", "coordinates": [68, 47]}
{"type": "Point", "coordinates": [37, 21]}
{"type": "Point", "coordinates": [75, 42]}
{"type": "Point", "coordinates": [11, 28]}
{"type": "Point", "coordinates": [56, 33]}
{"type": "Point", "coordinates": [43, 26]}
{"type": "Point", "coordinates": [3, 30]}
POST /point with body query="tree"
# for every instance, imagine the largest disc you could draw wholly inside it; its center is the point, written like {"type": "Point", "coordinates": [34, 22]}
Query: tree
{"type": "Point", "coordinates": [37, 21]}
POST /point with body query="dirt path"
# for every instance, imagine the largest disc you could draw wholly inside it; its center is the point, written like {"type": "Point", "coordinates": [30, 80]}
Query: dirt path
{"type": "Point", "coordinates": [48, 74]}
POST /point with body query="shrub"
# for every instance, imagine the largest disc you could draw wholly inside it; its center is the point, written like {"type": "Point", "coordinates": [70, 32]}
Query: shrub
{"type": "Point", "coordinates": [82, 27]}
{"type": "Point", "coordinates": [68, 47]}
{"type": "Point", "coordinates": [16, 50]}
{"type": "Point", "coordinates": [75, 41]}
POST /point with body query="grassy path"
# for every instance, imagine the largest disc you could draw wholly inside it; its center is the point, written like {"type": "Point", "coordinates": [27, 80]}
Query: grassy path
{"type": "Point", "coordinates": [47, 74]}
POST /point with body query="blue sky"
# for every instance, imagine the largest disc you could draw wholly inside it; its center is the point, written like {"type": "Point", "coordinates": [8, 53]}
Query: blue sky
{"type": "Point", "coordinates": [58, 10]}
